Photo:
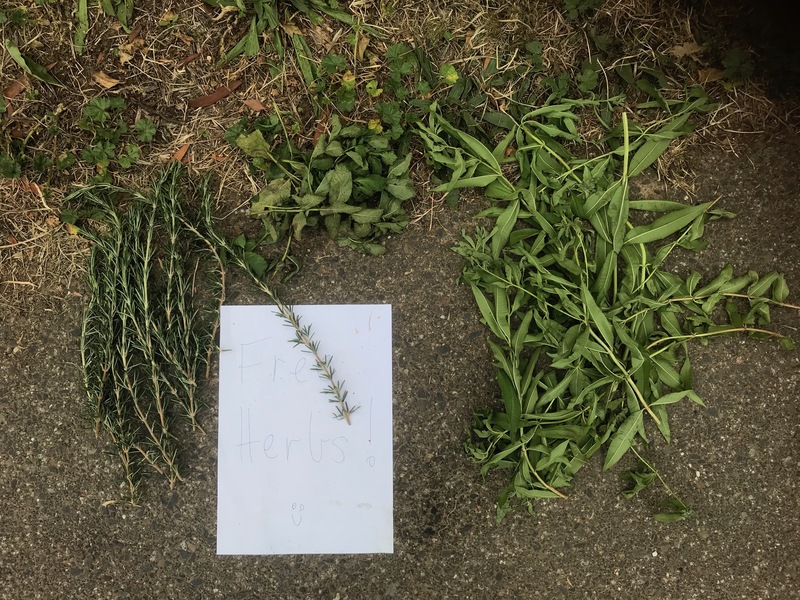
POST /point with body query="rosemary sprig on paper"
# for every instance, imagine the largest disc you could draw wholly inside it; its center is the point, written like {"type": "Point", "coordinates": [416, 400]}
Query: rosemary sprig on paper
{"type": "Point", "coordinates": [304, 335]}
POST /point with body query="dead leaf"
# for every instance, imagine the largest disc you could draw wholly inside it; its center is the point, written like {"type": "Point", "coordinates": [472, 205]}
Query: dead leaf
{"type": "Point", "coordinates": [168, 18]}
{"type": "Point", "coordinates": [224, 10]}
{"type": "Point", "coordinates": [104, 80]}
{"type": "Point", "coordinates": [362, 46]}
{"type": "Point", "coordinates": [181, 153]}
{"type": "Point", "coordinates": [188, 59]}
{"type": "Point", "coordinates": [709, 75]}
{"type": "Point", "coordinates": [126, 52]}
{"type": "Point", "coordinates": [186, 39]}
{"type": "Point", "coordinates": [12, 92]}
{"type": "Point", "coordinates": [71, 229]}
{"type": "Point", "coordinates": [468, 38]}
{"type": "Point", "coordinates": [687, 49]}
{"type": "Point", "coordinates": [33, 188]}
{"type": "Point", "coordinates": [134, 33]}
{"type": "Point", "coordinates": [11, 239]}
{"type": "Point", "coordinates": [322, 36]}
{"type": "Point", "coordinates": [221, 92]}
{"type": "Point", "coordinates": [15, 88]}
{"type": "Point", "coordinates": [291, 29]}
{"type": "Point", "coordinates": [256, 105]}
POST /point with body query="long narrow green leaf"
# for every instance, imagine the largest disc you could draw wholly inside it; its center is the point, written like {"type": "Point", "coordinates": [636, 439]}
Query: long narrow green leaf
{"type": "Point", "coordinates": [512, 403]}
{"type": "Point", "coordinates": [618, 215]}
{"type": "Point", "coordinates": [667, 225]}
{"type": "Point", "coordinates": [656, 205]}
{"type": "Point", "coordinates": [303, 54]}
{"type": "Point", "coordinates": [597, 317]}
{"type": "Point", "coordinates": [654, 147]}
{"type": "Point", "coordinates": [487, 312]}
{"type": "Point", "coordinates": [82, 27]}
{"type": "Point", "coordinates": [622, 439]}
{"type": "Point", "coordinates": [480, 181]}
{"type": "Point", "coordinates": [30, 66]}
{"type": "Point", "coordinates": [504, 226]}
{"type": "Point", "coordinates": [471, 144]}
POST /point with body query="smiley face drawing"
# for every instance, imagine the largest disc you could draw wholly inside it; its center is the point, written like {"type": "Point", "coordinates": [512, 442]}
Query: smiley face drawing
{"type": "Point", "coordinates": [297, 513]}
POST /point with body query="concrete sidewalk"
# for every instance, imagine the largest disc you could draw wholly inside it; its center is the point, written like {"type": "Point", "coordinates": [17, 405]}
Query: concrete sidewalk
{"type": "Point", "coordinates": [735, 464]}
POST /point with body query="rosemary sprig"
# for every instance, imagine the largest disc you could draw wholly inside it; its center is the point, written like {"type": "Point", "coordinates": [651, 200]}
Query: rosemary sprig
{"type": "Point", "coordinates": [143, 336]}
{"type": "Point", "coordinates": [303, 334]}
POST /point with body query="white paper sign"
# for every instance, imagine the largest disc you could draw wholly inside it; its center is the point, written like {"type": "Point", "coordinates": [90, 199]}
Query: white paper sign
{"type": "Point", "coordinates": [292, 479]}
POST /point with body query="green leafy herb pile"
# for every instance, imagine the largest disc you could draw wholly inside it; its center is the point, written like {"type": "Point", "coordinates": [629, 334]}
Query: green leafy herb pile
{"type": "Point", "coordinates": [353, 182]}
{"type": "Point", "coordinates": [589, 331]}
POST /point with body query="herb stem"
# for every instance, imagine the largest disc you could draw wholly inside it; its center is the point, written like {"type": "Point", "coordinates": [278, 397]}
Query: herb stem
{"type": "Point", "coordinates": [733, 295]}
{"type": "Point", "coordinates": [712, 333]}
{"type": "Point", "coordinates": [524, 450]}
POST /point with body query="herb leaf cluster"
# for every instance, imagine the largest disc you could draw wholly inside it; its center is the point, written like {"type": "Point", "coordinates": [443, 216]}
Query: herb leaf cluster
{"type": "Point", "coordinates": [589, 331]}
{"type": "Point", "coordinates": [353, 183]}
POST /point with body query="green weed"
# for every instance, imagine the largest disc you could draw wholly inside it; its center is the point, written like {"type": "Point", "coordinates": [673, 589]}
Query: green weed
{"type": "Point", "coordinates": [112, 143]}
{"type": "Point", "coordinates": [353, 183]}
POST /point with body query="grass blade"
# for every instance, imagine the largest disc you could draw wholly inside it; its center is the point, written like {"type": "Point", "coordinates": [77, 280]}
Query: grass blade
{"type": "Point", "coordinates": [81, 29]}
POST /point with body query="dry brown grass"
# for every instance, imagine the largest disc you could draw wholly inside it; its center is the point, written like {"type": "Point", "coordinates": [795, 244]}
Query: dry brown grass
{"type": "Point", "coordinates": [160, 68]}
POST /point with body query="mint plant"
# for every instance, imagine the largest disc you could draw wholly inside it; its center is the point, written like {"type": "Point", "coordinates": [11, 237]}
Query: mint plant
{"type": "Point", "coordinates": [353, 183]}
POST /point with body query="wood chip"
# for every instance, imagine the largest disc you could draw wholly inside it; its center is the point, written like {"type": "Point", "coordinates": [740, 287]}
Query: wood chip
{"type": "Point", "coordinates": [221, 92]}
{"type": "Point", "coordinates": [105, 80]}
